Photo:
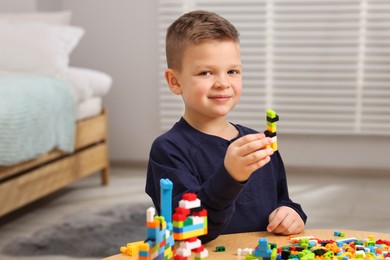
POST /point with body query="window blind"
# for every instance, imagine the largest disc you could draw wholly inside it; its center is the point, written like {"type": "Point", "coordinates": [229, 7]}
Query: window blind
{"type": "Point", "coordinates": [323, 65]}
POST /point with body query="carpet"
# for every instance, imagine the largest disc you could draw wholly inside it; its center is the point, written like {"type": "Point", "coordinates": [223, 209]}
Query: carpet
{"type": "Point", "coordinates": [88, 233]}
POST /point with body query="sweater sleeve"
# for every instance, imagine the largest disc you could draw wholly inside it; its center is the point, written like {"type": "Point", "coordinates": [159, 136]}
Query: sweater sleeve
{"type": "Point", "coordinates": [283, 194]}
{"type": "Point", "coordinates": [217, 194]}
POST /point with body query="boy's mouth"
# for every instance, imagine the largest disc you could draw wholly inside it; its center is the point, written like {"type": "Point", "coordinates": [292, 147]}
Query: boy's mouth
{"type": "Point", "coordinates": [220, 98]}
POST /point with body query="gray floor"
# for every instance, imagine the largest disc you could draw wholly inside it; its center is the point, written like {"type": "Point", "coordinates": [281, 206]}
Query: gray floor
{"type": "Point", "coordinates": [334, 201]}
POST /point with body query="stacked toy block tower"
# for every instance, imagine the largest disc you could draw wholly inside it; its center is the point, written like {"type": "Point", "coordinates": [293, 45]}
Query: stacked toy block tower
{"type": "Point", "coordinates": [272, 118]}
{"type": "Point", "coordinates": [159, 243]}
{"type": "Point", "coordinates": [189, 222]}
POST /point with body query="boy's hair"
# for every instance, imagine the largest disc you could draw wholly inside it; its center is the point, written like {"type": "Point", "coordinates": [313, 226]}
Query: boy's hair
{"type": "Point", "coordinates": [193, 28]}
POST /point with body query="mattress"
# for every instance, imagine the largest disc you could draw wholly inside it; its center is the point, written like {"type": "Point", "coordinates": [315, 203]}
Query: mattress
{"type": "Point", "coordinates": [88, 108]}
{"type": "Point", "coordinates": [24, 132]}
{"type": "Point", "coordinates": [86, 83]}
{"type": "Point", "coordinates": [87, 86]}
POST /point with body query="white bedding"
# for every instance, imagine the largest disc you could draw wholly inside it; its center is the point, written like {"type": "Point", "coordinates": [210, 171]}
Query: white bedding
{"type": "Point", "coordinates": [84, 83]}
{"type": "Point", "coordinates": [35, 53]}
{"type": "Point", "coordinates": [88, 108]}
{"type": "Point", "coordinates": [37, 114]}
{"type": "Point", "coordinates": [87, 83]}
{"type": "Point", "coordinates": [88, 87]}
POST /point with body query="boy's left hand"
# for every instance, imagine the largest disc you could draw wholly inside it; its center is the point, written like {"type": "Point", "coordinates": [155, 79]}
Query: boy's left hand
{"type": "Point", "coordinates": [285, 221]}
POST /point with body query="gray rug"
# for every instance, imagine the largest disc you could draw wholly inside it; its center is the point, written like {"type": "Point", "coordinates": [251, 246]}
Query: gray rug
{"type": "Point", "coordinates": [88, 233]}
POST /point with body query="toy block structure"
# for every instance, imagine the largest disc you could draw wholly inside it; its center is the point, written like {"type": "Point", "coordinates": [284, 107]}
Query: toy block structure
{"type": "Point", "coordinates": [188, 222]}
{"type": "Point", "coordinates": [272, 118]}
{"type": "Point", "coordinates": [264, 251]}
{"type": "Point", "coordinates": [166, 187]}
{"type": "Point", "coordinates": [262, 248]}
{"type": "Point", "coordinates": [159, 243]}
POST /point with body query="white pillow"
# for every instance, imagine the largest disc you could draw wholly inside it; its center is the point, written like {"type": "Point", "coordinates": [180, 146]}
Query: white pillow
{"type": "Point", "coordinates": [86, 83]}
{"type": "Point", "coordinates": [37, 47]}
{"type": "Point", "coordinates": [58, 18]}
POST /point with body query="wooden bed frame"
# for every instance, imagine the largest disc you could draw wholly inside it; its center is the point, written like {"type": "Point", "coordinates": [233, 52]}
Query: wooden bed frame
{"type": "Point", "coordinates": [31, 180]}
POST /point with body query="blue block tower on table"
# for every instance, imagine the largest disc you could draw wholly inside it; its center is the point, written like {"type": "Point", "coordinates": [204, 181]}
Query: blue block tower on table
{"type": "Point", "coordinates": [263, 252]}
{"type": "Point", "coordinates": [262, 248]}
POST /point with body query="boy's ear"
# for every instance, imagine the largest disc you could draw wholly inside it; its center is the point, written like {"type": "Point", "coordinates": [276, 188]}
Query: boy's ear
{"type": "Point", "coordinates": [173, 83]}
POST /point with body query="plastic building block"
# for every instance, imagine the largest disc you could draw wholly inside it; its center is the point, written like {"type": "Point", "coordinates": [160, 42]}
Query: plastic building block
{"type": "Point", "coordinates": [190, 196]}
{"type": "Point", "coordinates": [272, 118]}
{"type": "Point", "coordinates": [187, 223]}
{"type": "Point", "coordinates": [244, 252]}
{"type": "Point", "coordinates": [262, 248]}
{"type": "Point", "coordinates": [310, 248]}
{"type": "Point", "coordinates": [339, 234]}
{"type": "Point", "coordinates": [131, 249]}
{"type": "Point", "coordinates": [220, 249]}
{"type": "Point", "coordinates": [160, 245]}
{"type": "Point", "coordinates": [166, 187]}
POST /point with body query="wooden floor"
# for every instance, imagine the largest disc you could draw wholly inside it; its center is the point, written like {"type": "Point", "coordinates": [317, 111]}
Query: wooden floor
{"type": "Point", "coordinates": [331, 201]}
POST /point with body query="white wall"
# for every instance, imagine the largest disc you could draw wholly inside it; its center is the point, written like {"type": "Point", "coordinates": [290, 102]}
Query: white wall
{"type": "Point", "coordinates": [121, 39]}
{"type": "Point", "coordinates": [17, 6]}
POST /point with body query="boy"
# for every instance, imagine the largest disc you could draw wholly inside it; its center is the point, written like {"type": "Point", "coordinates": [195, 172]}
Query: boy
{"type": "Point", "coordinates": [241, 183]}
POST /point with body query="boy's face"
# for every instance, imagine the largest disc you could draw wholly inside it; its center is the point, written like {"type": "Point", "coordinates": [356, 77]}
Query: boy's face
{"type": "Point", "coordinates": [210, 80]}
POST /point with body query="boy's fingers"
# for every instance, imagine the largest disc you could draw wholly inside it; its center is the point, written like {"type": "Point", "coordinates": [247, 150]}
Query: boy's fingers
{"type": "Point", "coordinates": [248, 138]}
{"type": "Point", "coordinates": [257, 149]}
{"type": "Point", "coordinates": [258, 164]}
{"type": "Point", "coordinates": [285, 221]}
{"type": "Point", "coordinates": [254, 145]}
{"type": "Point", "coordinates": [275, 218]}
{"type": "Point", "coordinates": [258, 156]}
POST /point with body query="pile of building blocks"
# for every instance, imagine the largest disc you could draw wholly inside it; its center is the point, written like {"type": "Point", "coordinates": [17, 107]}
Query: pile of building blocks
{"type": "Point", "coordinates": [187, 223]}
{"type": "Point", "coordinates": [311, 248]}
{"type": "Point", "coordinates": [272, 118]}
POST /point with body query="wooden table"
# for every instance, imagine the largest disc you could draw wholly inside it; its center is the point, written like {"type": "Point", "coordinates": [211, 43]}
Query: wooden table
{"type": "Point", "coordinates": [243, 240]}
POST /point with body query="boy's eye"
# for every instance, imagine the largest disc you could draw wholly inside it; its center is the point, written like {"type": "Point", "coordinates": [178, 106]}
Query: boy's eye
{"type": "Point", "coordinates": [233, 72]}
{"type": "Point", "coordinates": [205, 73]}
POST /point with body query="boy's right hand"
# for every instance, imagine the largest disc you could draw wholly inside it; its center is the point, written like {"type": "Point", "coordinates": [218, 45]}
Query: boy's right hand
{"type": "Point", "coordinates": [247, 154]}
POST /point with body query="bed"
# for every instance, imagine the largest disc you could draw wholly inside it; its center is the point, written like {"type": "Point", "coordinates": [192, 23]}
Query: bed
{"type": "Point", "coordinates": [41, 165]}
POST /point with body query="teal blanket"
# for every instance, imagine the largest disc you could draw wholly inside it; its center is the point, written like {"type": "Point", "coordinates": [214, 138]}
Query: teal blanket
{"type": "Point", "coordinates": [37, 114]}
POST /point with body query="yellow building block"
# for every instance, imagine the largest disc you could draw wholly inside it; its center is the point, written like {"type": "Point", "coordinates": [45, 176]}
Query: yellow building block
{"type": "Point", "coordinates": [124, 250]}
{"type": "Point", "coordinates": [271, 129]}
{"type": "Point", "coordinates": [178, 224]}
{"type": "Point", "coordinates": [274, 146]}
{"type": "Point", "coordinates": [190, 234]}
{"type": "Point", "coordinates": [131, 249]}
{"type": "Point", "coordinates": [144, 247]}
{"type": "Point", "coordinates": [162, 221]}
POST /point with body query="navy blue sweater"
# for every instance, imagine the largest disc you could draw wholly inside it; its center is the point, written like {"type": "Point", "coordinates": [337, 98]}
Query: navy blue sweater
{"type": "Point", "coordinates": [193, 161]}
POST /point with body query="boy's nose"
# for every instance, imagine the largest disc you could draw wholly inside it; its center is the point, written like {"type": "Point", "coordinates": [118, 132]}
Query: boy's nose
{"type": "Point", "coordinates": [222, 82]}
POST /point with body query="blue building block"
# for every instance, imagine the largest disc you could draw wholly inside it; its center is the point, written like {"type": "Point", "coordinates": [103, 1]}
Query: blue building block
{"type": "Point", "coordinates": [166, 187]}
{"type": "Point", "coordinates": [152, 233]}
{"type": "Point", "coordinates": [262, 249]}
